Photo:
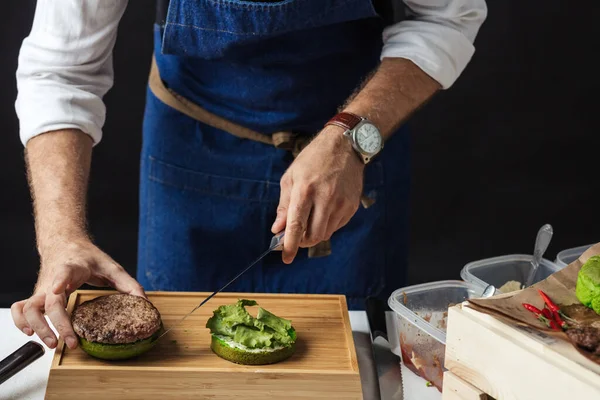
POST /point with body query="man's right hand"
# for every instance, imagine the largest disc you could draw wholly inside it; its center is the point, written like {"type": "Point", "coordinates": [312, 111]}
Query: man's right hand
{"type": "Point", "coordinates": [65, 267]}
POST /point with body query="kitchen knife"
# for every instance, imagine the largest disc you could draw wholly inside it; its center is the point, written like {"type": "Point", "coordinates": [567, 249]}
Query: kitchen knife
{"type": "Point", "coordinates": [276, 244]}
{"type": "Point", "coordinates": [388, 364]}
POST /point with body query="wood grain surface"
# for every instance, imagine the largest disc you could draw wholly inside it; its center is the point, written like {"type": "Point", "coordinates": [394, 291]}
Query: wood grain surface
{"type": "Point", "coordinates": [508, 362]}
{"type": "Point", "coordinates": [182, 365]}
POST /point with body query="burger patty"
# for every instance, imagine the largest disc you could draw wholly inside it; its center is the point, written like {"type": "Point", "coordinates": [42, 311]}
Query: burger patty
{"type": "Point", "coordinates": [116, 319]}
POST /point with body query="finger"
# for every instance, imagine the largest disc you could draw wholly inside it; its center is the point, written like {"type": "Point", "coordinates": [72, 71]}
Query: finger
{"type": "Point", "coordinates": [33, 311]}
{"type": "Point", "coordinates": [317, 226]}
{"type": "Point", "coordinates": [55, 310]}
{"type": "Point", "coordinates": [16, 310]}
{"type": "Point", "coordinates": [333, 225]}
{"type": "Point", "coordinates": [68, 278]}
{"type": "Point", "coordinates": [297, 218]}
{"type": "Point", "coordinates": [282, 208]}
{"type": "Point", "coordinates": [122, 281]}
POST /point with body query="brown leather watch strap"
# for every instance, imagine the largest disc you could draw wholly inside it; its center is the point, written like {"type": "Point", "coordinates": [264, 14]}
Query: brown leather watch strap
{"type": "Point", "coordinates": [345, 120]}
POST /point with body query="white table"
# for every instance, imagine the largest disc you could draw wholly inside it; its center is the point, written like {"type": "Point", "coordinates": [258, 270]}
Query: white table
{"type": "Point", "coordinates": [30, 383]}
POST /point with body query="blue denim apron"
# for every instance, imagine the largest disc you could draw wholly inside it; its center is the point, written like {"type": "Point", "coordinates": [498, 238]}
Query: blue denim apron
{"type": "Point", "coordinates": [208, 198]}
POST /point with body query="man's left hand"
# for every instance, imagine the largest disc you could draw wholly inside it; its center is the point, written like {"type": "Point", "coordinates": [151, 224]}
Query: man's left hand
{"type": "Point", "coordinates": [320, 192]}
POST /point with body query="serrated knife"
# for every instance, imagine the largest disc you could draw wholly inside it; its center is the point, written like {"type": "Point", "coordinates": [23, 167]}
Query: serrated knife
{"type": "Point", "coordinates": [276, 244]}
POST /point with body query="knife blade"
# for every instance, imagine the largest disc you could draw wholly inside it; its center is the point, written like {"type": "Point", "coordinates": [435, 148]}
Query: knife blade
{"type": "Point", "coordinates": [388, 363]}
{"type": "Point", "coordinates": [276, 244]}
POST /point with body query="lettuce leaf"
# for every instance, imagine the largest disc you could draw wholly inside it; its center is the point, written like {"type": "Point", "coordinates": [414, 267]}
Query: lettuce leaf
{"type": "Point", "coordinates": [278, 324]}
{"type": "Point", "coordinates": [252, 338]}
{"type": "Point", "coordinates": [235, 322]}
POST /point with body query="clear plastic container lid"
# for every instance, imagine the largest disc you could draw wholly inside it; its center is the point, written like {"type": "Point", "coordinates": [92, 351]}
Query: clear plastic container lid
{"type": "Point", "coordinates": [415, 303]}
{"type": "Point", "coordinates": [567, 256]}
{"type": "Point", "coordinates": [499, 270]}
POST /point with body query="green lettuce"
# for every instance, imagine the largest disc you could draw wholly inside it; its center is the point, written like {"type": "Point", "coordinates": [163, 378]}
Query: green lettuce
{"type": "Point", "coordinates": [252, 338]}
{"type": "Point", "coordinates": [587, 289]}
{"type": "Point", "coordinates": [279, 325]}
{"type": "Point", "coordinates": [266, 330]}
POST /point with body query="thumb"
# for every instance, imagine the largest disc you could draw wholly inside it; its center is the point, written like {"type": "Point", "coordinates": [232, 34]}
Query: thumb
{"type": "Point", "coordinates": [123, 282]}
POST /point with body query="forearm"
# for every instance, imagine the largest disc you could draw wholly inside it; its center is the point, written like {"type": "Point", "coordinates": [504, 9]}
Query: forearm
{"type": "Point", "coordinates": [58, 165]}
{"type": "Point", "coordinates": [421, 55]}
{"type": "Point", "coordinates": [394, 92]}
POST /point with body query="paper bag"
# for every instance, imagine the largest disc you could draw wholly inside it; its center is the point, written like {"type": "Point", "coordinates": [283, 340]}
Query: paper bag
{"type": "Point", "coordinates": [560, 287]}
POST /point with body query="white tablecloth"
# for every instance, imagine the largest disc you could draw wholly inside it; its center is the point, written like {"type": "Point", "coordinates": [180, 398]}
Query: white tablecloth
{"type": "Point", "coordinates": [30, 383]}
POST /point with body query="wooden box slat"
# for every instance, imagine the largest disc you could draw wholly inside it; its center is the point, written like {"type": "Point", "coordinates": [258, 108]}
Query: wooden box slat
{"type": "Point", "coordinates": [182, 365]}
{"type": "Point", "coordinates": [510, 363]}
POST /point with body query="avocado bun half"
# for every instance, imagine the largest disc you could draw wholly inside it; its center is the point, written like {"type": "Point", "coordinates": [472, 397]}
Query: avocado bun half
{"type": "Point", "coordinates": [116, 326]}
{"type": "Point", "coordinates": [241, 338]}
{"type": "Point", "coordinates": [242, 355]}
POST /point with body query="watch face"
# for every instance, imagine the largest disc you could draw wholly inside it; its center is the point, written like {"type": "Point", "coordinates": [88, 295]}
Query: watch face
{"type": "Point", "coordinates": [368, 138]}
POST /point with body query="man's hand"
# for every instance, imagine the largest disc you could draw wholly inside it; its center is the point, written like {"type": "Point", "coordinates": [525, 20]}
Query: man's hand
{"type": "Point", "coordinates": [58, 165]}
{"type": "Point", "coordinates": [320, 192]}
{"type": "Point", "coordinates": [65, 267]}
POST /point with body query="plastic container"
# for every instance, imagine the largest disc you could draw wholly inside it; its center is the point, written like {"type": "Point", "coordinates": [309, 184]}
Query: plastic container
{"type": "Point", "coordinates": [499, 270]}
{"type": "Point", "coordinates": [421, 316]}
{"type": "Point", "coordinates": [567, 256]}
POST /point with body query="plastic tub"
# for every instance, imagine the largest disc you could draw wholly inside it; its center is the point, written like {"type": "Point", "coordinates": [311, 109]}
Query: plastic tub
{"type": "Point", "coordinates": [567, 256]}
{"type": "Point", "coordinates": [421, 316]}
{"type": "Point", "coordinates": [499, 270]}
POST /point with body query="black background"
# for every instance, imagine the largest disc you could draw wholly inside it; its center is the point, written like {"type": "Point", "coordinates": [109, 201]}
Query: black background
{"type": "Point", "coordinates": [511, 146]}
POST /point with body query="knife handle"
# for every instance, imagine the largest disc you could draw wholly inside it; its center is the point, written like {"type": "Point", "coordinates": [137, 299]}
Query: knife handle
{"type": "Point", "coordinates": [277, 241]}
{"type": "Point", "coordinates": [376, 316]}
{"type": "Point", "coordinates": [20, 359]}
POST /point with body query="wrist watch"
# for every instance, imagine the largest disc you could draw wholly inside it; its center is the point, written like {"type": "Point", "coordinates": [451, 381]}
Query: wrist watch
{"type": "Point", "coordinates": [362, 133]}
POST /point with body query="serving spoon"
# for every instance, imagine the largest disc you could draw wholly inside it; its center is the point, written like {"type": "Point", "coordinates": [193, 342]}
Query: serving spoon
{"type": "Point", "coordinates": [542, 241]}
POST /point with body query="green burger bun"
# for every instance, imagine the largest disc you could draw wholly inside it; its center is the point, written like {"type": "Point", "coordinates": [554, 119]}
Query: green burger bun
{"type": "Point", "coordinates": [240, 338]}
{"type": "Point", "coordinates": [118, 351]}
{"type": "Point", "coordinates": [245, 356]}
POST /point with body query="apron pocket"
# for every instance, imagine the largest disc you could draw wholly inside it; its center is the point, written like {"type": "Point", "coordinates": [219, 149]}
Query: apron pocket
{"type": "Point", "coordinates": [200, 229]}
{"type": "Point", "coordinates": [247, 190]}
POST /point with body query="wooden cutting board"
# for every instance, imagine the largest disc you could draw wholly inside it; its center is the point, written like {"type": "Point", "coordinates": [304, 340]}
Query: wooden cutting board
{"type": "Point", "coordinates": [182, 366]}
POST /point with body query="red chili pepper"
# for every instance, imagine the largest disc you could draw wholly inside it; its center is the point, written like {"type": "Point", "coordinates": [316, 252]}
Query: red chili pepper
{"type": "Point", "coordinates": [547, 313]}
{"type": "Point", "coordinates": [559, 320]}
{"type": "Point", "coordinates": [554, 325]}
{"type": "Point", "coordinates": [550, 323]}
{"type": "Point", "coordinates": [553, 307]}
{"type": "Point", "coordinates": [533, 309]}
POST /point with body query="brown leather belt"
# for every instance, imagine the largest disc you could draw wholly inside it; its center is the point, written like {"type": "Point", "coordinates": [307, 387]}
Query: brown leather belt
{"type": "Point", "coordinates": [282, 140]}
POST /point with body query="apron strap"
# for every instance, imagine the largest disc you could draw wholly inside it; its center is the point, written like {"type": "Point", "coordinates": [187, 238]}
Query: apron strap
{"type": "Point", "coordinates": [282, 140]}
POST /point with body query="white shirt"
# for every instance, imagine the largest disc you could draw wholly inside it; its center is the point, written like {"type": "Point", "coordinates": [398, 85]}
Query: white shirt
{"type": "Point", "coordinates": [65, 64]}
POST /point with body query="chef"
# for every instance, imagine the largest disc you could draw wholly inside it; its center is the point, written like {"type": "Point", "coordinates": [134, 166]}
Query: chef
{"type": "Point", "coordinates": [261, 117]}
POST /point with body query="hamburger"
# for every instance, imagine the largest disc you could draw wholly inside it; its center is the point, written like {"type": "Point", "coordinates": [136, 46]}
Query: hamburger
{"type": "Point", "coordinates": [116, 326]}
{"type": "Point", "coordinates": [238, 337]}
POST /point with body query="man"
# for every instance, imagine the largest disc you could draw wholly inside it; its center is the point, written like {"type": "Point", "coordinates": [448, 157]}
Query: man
{"type": "Point", "coordinates": [210, 198]}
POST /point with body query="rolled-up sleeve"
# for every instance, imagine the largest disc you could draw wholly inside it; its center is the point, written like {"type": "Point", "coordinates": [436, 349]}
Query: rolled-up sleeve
{"type": "Point", "coordinates": [438, 36]}
{"type": "Point", "coordinates": [65, 66]}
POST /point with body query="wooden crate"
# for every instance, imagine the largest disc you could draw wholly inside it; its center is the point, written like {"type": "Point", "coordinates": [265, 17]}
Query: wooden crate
{"type": "Point", "coordinates": [182, 366]}
{"type": "Point", "coordinates": [490, 358]}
